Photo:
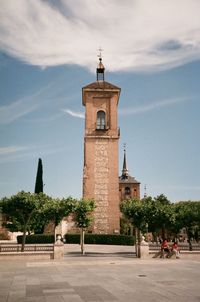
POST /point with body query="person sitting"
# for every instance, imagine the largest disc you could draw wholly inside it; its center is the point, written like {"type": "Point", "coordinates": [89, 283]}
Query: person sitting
{"type": "Point", "coordinates": [175, 249]}
{"type": "Point", "coordinates": [165, 248]}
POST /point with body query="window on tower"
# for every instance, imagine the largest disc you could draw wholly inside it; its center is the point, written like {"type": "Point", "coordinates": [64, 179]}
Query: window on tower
{"type": "Point", "coordinates": [127, 191]}
{"type": "Point", "coordinates": [101, 120]}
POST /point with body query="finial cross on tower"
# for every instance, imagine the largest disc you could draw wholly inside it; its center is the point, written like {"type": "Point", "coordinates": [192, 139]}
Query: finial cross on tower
{"type": "Point", "coordinates": [100, 53]}
{"type": "Point", "coordinates": [124, 145]}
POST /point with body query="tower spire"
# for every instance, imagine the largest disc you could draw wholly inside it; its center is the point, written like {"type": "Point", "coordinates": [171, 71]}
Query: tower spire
{"type": "Point", "coordinates": [124, 170]}
{"type": "Point", "coordinates": [100, 67]}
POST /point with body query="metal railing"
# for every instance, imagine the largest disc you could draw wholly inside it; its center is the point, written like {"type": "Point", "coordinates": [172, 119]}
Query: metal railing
{"type": "Point", "coordinates": [182, 246]}
{"type": "Point", "coordinates": [4, 248]}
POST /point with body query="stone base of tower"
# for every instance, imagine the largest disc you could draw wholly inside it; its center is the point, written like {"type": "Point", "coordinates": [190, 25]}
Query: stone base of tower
{"type": "Point", "coordinates": [102, 225]}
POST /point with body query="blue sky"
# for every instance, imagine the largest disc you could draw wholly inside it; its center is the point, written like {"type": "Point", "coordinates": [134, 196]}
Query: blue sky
{"type": "Point", "coordinates": [48, 52]}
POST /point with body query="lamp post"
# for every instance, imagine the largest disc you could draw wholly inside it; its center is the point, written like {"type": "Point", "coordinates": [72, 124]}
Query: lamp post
{"type": "Point", "coordinates": [147, 231]}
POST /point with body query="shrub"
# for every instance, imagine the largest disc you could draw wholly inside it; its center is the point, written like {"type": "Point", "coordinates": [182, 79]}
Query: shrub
{"type": "Point", "coordinates": [110, 239]}
{"type": "Point", "coordinates": [37, 238]}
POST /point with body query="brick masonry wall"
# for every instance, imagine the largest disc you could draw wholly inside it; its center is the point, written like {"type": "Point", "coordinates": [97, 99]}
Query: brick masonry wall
{"type": "Point", "coordinates": [100, 172]}
{"type": "Point", "coordinates": [101, 183]}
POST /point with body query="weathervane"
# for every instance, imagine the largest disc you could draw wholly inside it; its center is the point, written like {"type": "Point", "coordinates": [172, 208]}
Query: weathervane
{"type": "Point", "coordinates": [124, 145]}
{"type": "Point", "coordinates": [100, 53]}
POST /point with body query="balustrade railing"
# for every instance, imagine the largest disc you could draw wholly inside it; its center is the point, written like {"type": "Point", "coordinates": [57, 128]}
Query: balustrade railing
{"type": "Point", "coordinates": [182, 246]}
{"type": "Point", "coordinates": [4, 248]}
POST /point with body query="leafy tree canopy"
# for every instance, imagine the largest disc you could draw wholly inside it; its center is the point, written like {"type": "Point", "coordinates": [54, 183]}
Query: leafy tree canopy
{"type": "Point", "coordinates": [20, 209]}
{"type": "Point", "coordinates": [160, 214]}
{"type": "Point", "coordinates": [27, 211]}
{"type": "Point", "coordinates": [187, 214]}
{"type": "Point", "coordinates": [152, 212]}
{"type": "Point", "coordinates": [83, 211]}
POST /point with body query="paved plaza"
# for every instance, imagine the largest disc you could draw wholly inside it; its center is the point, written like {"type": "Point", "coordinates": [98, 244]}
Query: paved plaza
{"type": "Point", "coordinates": [103, 274]}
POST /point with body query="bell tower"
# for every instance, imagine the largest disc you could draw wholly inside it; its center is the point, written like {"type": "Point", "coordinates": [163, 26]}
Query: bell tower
{"type": "Point", "coordinates": [100, 173]}
{"type": "Point", "coordinates": [129, 187]}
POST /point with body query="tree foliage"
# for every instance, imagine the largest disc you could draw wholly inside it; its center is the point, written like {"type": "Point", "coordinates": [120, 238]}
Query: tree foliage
{"type": "Point", "coordinates": [27, 211]}
{"type": "Point", "coordinates": [55, 210]}
{"type": "Point", "coordinates": [20, 209]}
{"type": "Point", "coordinates": [83, 211]}
{"type": "Point", "coordinates": [188, 217]}
{"type": "Point", "coordinates": [161, 215]}
{"type": "Point", "coordinates": [133, 209]}
{"type": "Point", "coordinates": [162, 199]}
{"type": "Point", "coordinates": [156, 214]}
{"type": "Point", "coordinates": [83, 217]}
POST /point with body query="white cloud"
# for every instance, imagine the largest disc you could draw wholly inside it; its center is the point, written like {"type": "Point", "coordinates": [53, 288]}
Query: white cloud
{"type": "Point", "coordinates": [136, 34]}
{"type": "Point", "coordinates": [152, 106]}
{"type": "Point", "coordinates": [21, 153]}
{"type": "Point", "coordinates": [138, 110]}
{"type": "Point", "coordinates": [14, 111]}
{"type": "Point", "coordinates": [74, 114]}
{"type": "Point", "coordinates": [14, 153]}
{"type": "Point", "coordinates": [11, 149]}
{"type": "Point", "coordinates": [23, 106]}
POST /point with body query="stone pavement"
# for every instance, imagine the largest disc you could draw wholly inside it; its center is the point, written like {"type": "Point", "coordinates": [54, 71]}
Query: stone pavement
{"type": "Point", "coordinates": [103, 274]}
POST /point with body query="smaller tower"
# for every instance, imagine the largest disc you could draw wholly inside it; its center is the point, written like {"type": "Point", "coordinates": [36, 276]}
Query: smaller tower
{"type": "Point", "coordinates": [129, 187]}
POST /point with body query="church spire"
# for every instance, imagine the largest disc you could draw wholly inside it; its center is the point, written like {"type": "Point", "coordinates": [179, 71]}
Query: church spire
{"type": "Point", "coordinates": [124, 170]}
{"type": "Point", "coordinates": [100, 67]}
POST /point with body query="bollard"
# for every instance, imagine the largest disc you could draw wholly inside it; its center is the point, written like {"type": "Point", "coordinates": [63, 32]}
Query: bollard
{"type": "Point", "coordinates": [58, 249]}
{"type": "Point", "coordinates": [144, 249]}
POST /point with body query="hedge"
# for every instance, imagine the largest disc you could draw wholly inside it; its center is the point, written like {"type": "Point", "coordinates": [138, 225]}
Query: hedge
{"type": "Point", "coordinates": [110, 239]}
{"type": "Point", "coordinates": [39, 238]}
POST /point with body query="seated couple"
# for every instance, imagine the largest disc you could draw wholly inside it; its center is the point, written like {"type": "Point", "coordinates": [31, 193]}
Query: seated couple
{"type": "Point", "coordinates": [165, 249]}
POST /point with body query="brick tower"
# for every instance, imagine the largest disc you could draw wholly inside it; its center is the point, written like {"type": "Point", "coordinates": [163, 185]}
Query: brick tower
{"type": "Point", "coordinates": [100, 173]}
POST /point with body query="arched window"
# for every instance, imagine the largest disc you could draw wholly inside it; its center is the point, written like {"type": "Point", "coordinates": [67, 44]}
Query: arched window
{"type": "Point", "coordinates": [127, 191]}
{"type": "Point", "coordinates": [101, 120]}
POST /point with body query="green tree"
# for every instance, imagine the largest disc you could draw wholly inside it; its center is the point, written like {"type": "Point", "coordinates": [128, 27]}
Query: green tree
{"type": "Point", "coordinates": [55, 210]}
{"type": "Point", "coordinates": [41, 217]}
{"type": "Point", "coordinates": [133, 210]}
{"type": "Point", "coordinates": [27, 212]}
{"type": "Point", "coordinates": [161, 215]}
{"type": "Point", "coordinates": [83, 217]}
{"type": "Point", "coordinates": [162, 199]}
{"type": "Point", "coordinates": [147, 212]}
{"type": "Point", "coordinates": [20, 209]}
{"type": "Point", "coordinates": [39, 178]}
{"type": "Point", "coordinates": [188, 217]}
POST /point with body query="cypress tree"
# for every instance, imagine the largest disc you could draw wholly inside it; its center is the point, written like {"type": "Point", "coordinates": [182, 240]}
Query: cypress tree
{"type": "Point", "coordinates": [39, 180]}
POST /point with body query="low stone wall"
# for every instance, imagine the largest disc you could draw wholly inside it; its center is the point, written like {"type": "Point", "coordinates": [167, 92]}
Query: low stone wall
{"type": "Point", "coordinates": [32, 251]}
{"type": "Point", "coordinates": [192, 255]}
